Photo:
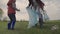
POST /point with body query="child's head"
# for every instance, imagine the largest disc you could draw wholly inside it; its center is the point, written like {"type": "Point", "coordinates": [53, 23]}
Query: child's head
{"type": "Point", "coordinates": [12, 0]}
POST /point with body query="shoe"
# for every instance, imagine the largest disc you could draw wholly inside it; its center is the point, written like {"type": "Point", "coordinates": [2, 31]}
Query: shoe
{"type": "Point", "coordinates": [9, 26]}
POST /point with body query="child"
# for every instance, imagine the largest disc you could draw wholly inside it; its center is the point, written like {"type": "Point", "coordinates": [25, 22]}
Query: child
{"type": "Point", "coordinates": [11, 13]}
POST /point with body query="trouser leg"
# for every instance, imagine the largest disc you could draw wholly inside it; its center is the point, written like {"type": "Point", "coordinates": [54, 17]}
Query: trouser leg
{"type": "Point", "coordinates": [41, 21]}
{"type": "Point", "coordinates": [13, 21]}
{"type": "Point", "coordinates": [11, 24]}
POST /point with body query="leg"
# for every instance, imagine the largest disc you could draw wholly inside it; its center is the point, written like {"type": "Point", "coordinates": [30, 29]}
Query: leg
{"type": "Point", "coordinates": [13, 20]}
{"type": "Point", "coordinates": [40, 18]}
{"type": "Point", "coordinates": [41, 21]}
{"type": "Point", "coordinates": [9, 24]}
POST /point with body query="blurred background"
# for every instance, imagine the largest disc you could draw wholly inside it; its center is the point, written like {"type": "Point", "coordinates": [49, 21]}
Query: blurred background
{"type": "Point", "coordinates": [52, 8]}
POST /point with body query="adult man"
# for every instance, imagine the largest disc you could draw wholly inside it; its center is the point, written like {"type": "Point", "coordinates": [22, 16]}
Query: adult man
{"type": "Point", "coordinates": [40, 6]}
{"type": "Point", "coordinates": [37, 5]}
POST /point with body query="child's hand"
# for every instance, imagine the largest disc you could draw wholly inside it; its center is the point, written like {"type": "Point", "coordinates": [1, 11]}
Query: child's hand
{"type": "Point", "coordinates": [18, 10]}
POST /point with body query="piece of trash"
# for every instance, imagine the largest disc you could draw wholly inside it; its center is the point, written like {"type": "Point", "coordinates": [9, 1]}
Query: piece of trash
{"type": "Point", "coordinates": [54, 27]}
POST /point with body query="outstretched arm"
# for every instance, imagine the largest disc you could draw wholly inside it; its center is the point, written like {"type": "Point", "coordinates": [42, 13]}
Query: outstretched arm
{"type": "Point", "coordinates": [14, 7]}
{"type": "Point", "coordinates": [29, 4]}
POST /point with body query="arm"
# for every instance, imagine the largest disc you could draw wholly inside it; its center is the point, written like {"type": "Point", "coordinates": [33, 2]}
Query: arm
{"type": "Point", "coordinates": [11, 4]}
{"type": "Point", "coordinates": [29, 4]}
{"type": "Point", "coordinates": [14, 6]}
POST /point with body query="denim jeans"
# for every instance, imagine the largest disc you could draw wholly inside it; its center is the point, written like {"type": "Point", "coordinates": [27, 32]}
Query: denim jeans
{"type": "Point", "coordinates": [12, 18]}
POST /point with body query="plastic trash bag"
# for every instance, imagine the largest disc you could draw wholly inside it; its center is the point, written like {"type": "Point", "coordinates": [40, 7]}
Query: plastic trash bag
{"type": "Point", "coordinates": [32, 17]}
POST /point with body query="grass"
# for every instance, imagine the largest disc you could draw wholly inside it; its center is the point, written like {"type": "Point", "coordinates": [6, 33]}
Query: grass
{"type": "Point", "coordinates": [21, 28]}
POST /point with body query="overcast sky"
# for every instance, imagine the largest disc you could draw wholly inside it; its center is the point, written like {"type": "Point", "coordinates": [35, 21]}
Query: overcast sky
{"type": "Point", "coordinates": [51, 6]}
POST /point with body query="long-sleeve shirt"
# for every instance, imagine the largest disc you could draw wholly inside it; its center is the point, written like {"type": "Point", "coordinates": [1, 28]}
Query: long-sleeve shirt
{"type": "Point", "coordinates": [10, 7]}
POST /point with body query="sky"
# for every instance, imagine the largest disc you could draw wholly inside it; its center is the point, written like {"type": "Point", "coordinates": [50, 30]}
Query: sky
{"type": "Point", "coordinates": [52, 8]}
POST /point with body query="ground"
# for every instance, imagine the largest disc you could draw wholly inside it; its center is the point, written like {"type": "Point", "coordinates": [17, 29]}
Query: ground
{"type": "Point", "coordinates": [21, 28]}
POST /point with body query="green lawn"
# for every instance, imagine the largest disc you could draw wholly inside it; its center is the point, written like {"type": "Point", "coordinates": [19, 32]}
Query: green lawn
{"type": "Point", "coordinates": [21, 28]}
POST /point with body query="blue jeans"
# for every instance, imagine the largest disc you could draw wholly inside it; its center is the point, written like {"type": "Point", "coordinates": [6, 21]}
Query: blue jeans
{"type": "Point", "coordinates": [12, 18]}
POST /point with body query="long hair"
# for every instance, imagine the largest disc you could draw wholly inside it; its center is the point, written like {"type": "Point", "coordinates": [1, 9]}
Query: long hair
{"type": "Point", "coordinates": [30, 2]}
{"type": "Point", "coordinates": [40, 3]}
